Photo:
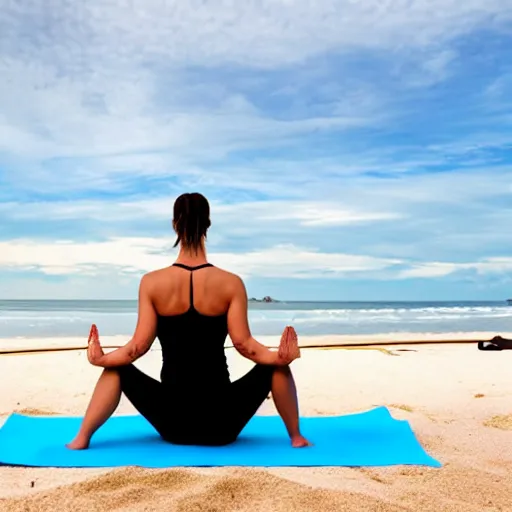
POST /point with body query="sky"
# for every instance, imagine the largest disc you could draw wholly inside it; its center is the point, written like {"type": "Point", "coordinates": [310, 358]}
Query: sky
{"type": "Point", "coordinates": [351, 150]}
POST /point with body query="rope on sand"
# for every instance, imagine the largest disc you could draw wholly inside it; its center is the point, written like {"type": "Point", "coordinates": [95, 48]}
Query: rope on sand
{"type": "Point", "coordinates": [353, 345]}
{"type": "Point", "coordinates": [48, 349]}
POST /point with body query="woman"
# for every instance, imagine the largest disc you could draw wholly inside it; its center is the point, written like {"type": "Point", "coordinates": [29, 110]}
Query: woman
{"type": "Point", "coordinates": [191, 307]}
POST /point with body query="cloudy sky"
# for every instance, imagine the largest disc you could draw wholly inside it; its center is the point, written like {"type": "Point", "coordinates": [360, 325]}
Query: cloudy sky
{"type": "Point", "coordinates": [350, 149]}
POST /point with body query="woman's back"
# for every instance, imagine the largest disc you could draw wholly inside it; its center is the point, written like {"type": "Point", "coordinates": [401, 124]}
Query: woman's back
{"type": "Point", "coordinates": [212, 288]}
{"type": "Point", "coordinates": [191, 304]}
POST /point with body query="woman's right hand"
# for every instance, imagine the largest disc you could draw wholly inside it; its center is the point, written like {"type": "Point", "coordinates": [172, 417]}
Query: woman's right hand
{"type": "Point", "coordinates": [288, 347]}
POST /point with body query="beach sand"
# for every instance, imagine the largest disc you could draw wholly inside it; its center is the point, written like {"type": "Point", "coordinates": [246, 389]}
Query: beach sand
{"type": "Point", "coordinates": [457, 399]}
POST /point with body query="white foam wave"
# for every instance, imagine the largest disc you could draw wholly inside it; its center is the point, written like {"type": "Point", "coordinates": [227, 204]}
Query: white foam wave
{"type": "Point", "coordinates": [270, 321]}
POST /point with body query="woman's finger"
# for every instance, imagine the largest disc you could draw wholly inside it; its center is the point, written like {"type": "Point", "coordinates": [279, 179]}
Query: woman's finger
{"type": "Point", "coordinates": [91, 334]}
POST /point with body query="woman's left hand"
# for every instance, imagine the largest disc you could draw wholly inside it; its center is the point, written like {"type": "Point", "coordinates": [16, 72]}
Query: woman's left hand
{"type": "Point", "coordinates": [289, 346]}
{"type": "Point", "coordinates": [95, 353]}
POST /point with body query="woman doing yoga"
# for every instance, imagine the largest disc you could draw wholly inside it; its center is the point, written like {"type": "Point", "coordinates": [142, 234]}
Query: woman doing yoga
{"type": "Point", "coordinates": [191, 307]}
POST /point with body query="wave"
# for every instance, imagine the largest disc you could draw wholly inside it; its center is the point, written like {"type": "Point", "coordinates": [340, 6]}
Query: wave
{"type": "Point", "coordinates": [312, 320]}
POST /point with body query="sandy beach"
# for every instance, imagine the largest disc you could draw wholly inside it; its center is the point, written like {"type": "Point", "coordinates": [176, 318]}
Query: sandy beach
{"type": "Point", "coordinates": [457, 399]}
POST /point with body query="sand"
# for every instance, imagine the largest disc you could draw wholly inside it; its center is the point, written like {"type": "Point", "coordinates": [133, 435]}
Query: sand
{"type": "Point", "coordinates": [457, 399]}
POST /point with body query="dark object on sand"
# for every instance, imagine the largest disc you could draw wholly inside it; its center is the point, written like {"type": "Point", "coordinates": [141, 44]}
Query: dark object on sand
{"type": "Point", "coordinates": [497, 343]}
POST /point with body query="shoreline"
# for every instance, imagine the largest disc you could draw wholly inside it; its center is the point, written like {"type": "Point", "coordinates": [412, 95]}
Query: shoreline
{"type": "Point", "coordinates": [69, 343]}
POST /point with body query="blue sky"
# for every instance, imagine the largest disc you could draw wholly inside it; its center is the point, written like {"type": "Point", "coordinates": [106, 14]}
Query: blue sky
{"type": "Point", "coordinates": [351, 150]}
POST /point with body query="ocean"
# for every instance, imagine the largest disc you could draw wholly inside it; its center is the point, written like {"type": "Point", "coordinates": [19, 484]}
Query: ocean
{"type": "Point", "coordinates": [59, 318]}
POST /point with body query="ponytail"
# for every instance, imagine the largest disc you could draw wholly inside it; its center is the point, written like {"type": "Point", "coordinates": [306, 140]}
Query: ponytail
{"type": "Point", "coordinates": [191, 220]}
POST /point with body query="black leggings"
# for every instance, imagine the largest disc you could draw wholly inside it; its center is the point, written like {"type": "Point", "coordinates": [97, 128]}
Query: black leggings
{"type": "Point", "coordinates": [199, 423]}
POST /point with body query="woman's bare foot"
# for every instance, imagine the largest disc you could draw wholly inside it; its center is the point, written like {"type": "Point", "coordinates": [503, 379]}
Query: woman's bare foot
{"type": "Point", "coordinates": [78, 444]}
{"type": "Point", "coordinates": [300, 442]}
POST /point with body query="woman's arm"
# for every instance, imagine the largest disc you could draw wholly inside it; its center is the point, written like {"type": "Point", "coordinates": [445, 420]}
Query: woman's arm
{"type": "Point", "coordinates": [145, 331]}
{"type": "Point", "coordinates": [240, 334]}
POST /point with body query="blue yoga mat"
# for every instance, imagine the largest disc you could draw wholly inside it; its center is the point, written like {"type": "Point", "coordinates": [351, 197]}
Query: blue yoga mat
{"type": "Point", "coordinates": [372, 438]}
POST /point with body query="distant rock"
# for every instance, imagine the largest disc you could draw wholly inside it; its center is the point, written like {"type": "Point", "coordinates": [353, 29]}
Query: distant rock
{"type": "Point", "coordinates": [266, 299]}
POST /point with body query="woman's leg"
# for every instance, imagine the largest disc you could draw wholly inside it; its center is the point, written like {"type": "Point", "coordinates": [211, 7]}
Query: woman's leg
{"type": "Point", "coordinates": [284, 394]}
{"type": "Point", "coordinates": [104, 402]}
{"type": "Point", "coordinates": [144, 392]}
{"type": "Point", "coordinates": [250, 391]}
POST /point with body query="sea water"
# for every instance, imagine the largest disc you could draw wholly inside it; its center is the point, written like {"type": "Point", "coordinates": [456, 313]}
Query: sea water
{"type": "Point", "coordinates": [58, 318]}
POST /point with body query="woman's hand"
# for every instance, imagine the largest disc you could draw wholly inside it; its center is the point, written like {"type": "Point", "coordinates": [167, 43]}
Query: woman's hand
{"type": "Point", "coordinates": [288, 347]}
{"type": "Point", "coordinates": [95, 353]}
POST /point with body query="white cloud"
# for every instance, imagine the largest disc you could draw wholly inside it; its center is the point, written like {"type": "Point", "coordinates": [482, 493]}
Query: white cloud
{"type": "Point", "coordinates": [105, 79]}
{"type": "Point", "coordinates": [289, 261]}
{"type": "Point", "coordinates": [430, 69]}
{"type": "Point", "coordinates": [297, 194]}
{"type": "Point", "coordinates": [261, 33]}
{"type": "Point", "coordinates": [433, 269]}
{"type": "Point", "coordinates": [425, 217]}
{"type": "Point", "coordinates": [44, 115]}
{"type": "Point", "coordinates": [307, 213]}
{"type": "Point", "coordinates": [137, 255]}
{"type": "Point", "coordinates": [67, 257]}
{"type": "Point", "coordinates": [129, 255]}
{"type": "Point", "coordinates": [499, 88]}
{"type": "Point", "coordinates": [491, 265]}
{"type": "Point", "coordinates": [324, 214]}
{"type": "Point", "coordinates": [439, 269]}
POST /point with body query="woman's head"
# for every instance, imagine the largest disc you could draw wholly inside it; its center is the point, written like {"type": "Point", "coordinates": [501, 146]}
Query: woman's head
{"type": "Point", "coordinates": [191, 220]}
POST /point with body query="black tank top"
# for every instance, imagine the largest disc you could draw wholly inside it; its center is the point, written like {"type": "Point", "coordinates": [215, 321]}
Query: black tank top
{"type": "Point", "coordinates": [194, 362]}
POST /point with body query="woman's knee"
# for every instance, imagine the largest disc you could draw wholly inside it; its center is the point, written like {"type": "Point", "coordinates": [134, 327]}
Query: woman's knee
{"type": "Point", "coordinates": [281, 372]}
{"type": "Point", "coordinates": [110, 372]}
{"type": "Point", "coordinates": [119, 370]}
{"type": "Point", "coordinates": [283, 369]}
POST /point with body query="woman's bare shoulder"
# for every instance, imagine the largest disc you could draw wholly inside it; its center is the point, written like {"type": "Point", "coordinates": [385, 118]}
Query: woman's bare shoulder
{"type": "Point", "coordinates": [156, 276]}
{"type": "Point", "coordinates": [231, 283]}
{"type": "Point", "coordinates": [159, 272]}
{"type": "Point", "coordinates": [227, 275]}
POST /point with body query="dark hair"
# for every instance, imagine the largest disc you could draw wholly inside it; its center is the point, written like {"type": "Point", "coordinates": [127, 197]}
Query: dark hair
{"type": "Point", "coordinates": [191, 220]}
